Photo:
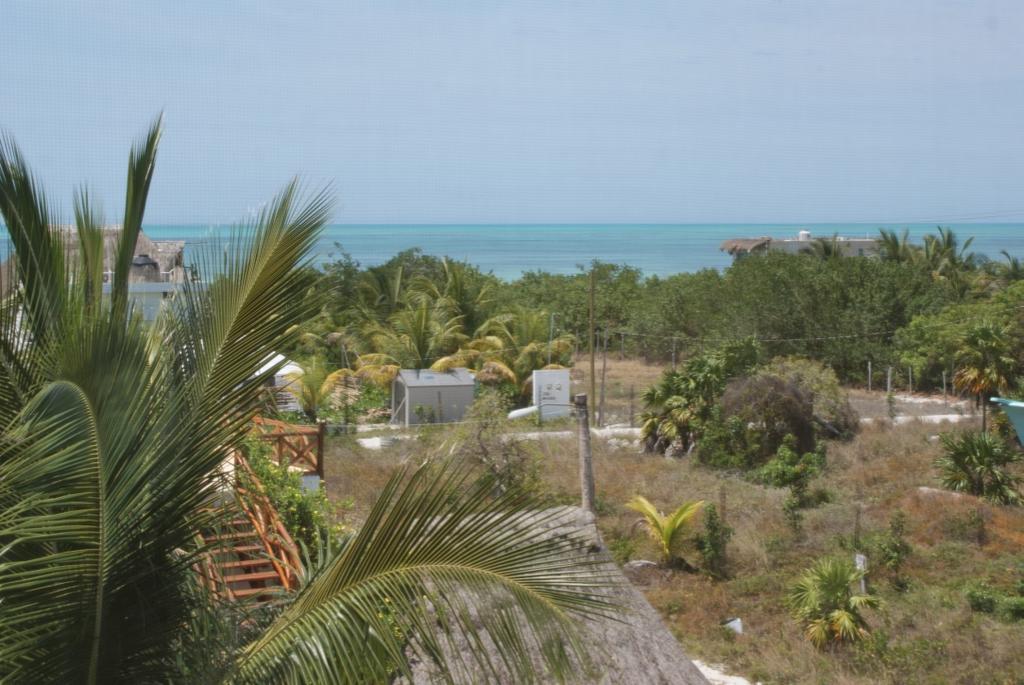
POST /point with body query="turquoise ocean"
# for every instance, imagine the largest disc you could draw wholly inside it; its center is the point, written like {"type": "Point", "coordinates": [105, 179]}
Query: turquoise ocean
{"type": "Point", "coordinates": [656, 249]}
{"type": "Point", "coordinates": [509, 250]}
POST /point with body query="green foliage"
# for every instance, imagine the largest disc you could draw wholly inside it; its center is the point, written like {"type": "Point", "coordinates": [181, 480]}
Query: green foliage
{"type": "Point", "coordinates": [824, 601]}
{"type": "Point", "coordinates": [114, 437]}
{"type": "Point", "coordinates": [829, 400]}
{"type": "Point", "coordinates": [790, 469]}
{"type": "Point", "coordinates": [892, 549]}
{"type": "Point", "coordinates": [976, 463]}
{"type": "Point", "coordinates": [669, 532]}
{"type": "Point", "coordinates": [309, 515]}
{"type": "Point", "coordinates": [983, 598]}
{"type": "Point", "coordinates": [712, 542]}
{"type": "Point", "coordinates": [682, 400]}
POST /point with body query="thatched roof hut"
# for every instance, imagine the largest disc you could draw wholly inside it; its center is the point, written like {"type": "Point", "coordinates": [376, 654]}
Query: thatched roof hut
{"type": "Point", "coordinates": [156, 261]}
{"type": "Point", "coordinates": [738, 247]}
{"type": "Point", "coordinates": [635, 648]}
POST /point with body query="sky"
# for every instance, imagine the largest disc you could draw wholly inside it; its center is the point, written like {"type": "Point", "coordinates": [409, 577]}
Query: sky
{"type": "Point", "coordinates": [529, 112]}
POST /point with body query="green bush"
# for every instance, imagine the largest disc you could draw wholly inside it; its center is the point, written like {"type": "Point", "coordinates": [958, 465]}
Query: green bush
{"type": "Point", "coordinates": [789, 469]}
{"type": "Point", "coordinates": [982, 598]}
{"type": "Point", "coordinates": [892, 549]}
{"type": "Point", "coordinates": [830, 402]}
{"type": "Point", "coordinates": [308, 515]}
{"type": "Point", "coordinates": [711, 544]}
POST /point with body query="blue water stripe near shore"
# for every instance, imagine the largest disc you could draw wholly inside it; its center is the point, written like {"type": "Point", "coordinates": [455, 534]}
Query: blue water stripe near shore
{"type": "Point", "coordinates": [509, 250]}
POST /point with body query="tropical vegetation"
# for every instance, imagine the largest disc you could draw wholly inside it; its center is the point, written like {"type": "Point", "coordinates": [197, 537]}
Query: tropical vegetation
{"type": "Point", "coordinates": [825, 602]}
{"type": "Point", "coordinates": [668, 531]}
{"type": "Point", "coordinates": [113, 434]}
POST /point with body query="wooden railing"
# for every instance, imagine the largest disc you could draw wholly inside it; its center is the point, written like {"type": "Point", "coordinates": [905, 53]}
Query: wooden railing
{"type": "Point", "coordinates": [274, 537]}
{"type": "Point", "coordinates": [301, 446]}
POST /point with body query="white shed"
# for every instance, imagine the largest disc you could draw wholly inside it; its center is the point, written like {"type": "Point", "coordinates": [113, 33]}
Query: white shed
{"type": "Point", "coordinates": [425, 396]}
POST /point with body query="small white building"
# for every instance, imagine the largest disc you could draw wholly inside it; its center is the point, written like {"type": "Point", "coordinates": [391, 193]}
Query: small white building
{"type": "Point", "coordinates": [425, 396]}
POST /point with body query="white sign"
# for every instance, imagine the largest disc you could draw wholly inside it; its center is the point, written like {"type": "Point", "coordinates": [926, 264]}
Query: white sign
{"type": "Point", "coordinates": [551, 392]}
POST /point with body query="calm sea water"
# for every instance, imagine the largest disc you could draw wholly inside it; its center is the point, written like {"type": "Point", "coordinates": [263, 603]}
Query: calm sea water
{"type": "Point", "coordinates": [509, 250]}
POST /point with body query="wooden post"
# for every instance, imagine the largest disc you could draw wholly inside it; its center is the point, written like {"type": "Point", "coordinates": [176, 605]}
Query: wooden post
{"type": "Point", "coordinates": [321, 429]}
{"type": "Point", "coordinates": [604, 372]}
{"type": "Point", "coordinates": [888, 381]}
{"type": "Point", "coordinates": [910, 379]}
{"type": "Point", "coordinates": [590, 341]}
{"type": "Point", "coordinates": [586, 457]}
{"type": "Point", "coordinates": [673, 354]}
{"type": "Point", "coordinates": [945, 399]}
{"type": "Point", "coordinates": [622, 346]}
{"type": "Point", "coordinates": [869, 375]}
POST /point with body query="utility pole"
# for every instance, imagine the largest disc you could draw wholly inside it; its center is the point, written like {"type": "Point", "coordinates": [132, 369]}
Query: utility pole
{"type": "Point", "coordinates": [604, 371]}
{"type": "Point", "coordinates": [910, 379]}
{"type": "Point", "coordinates": [586, 457]}
{"type": "Point", "coordinates": [590, 339]}
{"type": "Point", "coordinates": [888, 381]}
{"type": "Point", "coordinates": [551, 335]}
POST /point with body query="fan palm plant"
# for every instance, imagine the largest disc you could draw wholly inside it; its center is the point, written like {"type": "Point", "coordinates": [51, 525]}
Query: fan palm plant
{"type": "Point", "coordinates": [113, 432]}
{"type": "Point", "coordinates": [986, 364]}
{"type": "Point", "coordinates": [669, 532]}
{"type": "Point", "coordinates": [976, 463]}
{"type": "Point", "coordinates": [824, 601]}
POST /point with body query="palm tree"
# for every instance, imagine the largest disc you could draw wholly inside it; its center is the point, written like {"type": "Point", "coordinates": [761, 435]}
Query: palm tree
{"type": "Point", "coordinates": [895, 248]}
{"type": "Point", "coordinates": [413, 338]}
{"type": "Point", "coordinates": [945, 255]}
{"type": "Point", "coordinates": [1014, 269]}
{"type": "Point", "coordinates": [976, 463]}
{"type": "Point", "coordinates": [315, 385]}
{"type": "Point", "coordinates": [465, 297]}
{"type": "Point", "coordinates": [668, 532]}
{"type": "Point", "coordinates": [824, 601]}
{"type": "Point", "coordinates": [113, 432]}
{"type": "Point", "coordinates": [986, 364]}
{"type": "Point", "coordinates": [826, 248]}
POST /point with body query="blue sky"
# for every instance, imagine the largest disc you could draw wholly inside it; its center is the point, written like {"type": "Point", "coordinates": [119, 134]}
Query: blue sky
{"type": "Point", "coordinates": [520, 111]}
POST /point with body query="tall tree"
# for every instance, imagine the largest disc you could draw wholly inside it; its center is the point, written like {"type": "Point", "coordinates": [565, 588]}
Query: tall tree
{"type": "Point", "coordinates": [986, 364]}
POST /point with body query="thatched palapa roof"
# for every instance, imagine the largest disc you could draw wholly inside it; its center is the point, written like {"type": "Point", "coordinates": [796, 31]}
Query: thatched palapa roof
{"type": "Point", "coordinates": [634, 648]}
{"type": "Point", "coordinates": [736, 246]}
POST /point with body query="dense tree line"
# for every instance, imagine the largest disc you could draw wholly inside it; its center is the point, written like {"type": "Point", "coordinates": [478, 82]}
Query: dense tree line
{"type": "Point", "coordinates": [896, 309]}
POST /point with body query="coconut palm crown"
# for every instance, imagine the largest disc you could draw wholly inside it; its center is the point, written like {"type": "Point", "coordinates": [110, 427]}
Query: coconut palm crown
{"type": "Point", "coordinates": [113, 432]}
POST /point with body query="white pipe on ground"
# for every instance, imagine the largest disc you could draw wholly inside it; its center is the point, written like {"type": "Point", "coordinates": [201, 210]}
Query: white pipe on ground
{"type": "Point", "coordinates": [525, 411]}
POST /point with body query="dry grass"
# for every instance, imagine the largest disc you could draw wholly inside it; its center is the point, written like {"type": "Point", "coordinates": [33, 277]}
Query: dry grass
{"type": "Point", "coordinates": [926, 634]}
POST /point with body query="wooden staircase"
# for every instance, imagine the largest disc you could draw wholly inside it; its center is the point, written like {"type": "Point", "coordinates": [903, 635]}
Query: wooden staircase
{"type": "Point", "coordinates": [252, 557]}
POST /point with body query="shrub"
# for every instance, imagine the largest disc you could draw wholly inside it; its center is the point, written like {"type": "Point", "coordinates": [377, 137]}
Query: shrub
{"type": "Point", "coordinates": [892, 549]}
{"type": "Point", "coordinates": [830, 402]}
{"type": "Point", "coordinates": [308, 515]}
{"type": "Point", "coordinates": [775, 408]}
{"type": "Point", "coordinates": [789, 469]}
{"type": "Point", "coordinates": [824, 602]}
{"type": "Point", "coordinates": [669, 532]}
{"type": "Point", "coordinates": [711, 544]}
{"type": "Point", "coordinates": [976, 463]}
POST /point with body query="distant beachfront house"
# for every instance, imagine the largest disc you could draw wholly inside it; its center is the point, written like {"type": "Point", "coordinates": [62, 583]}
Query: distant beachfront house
{"type": "Point", "coordinates": [848, 246]}
{"type": "Point", "coordinates": [425, 396]}
{"type": "Point", "coordinates": [156, 273]}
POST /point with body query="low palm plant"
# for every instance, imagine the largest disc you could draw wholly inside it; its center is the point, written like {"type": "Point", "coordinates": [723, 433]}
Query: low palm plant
{"type": "Point", "coordinates": [314, 387]}
{"type": "Point", "coordinates": [976, 463]}
{"type": "Point", "coordinates": [113, 435]}
{"type": "Point", "coordinates": [823, 600]}
{"type": "Point", "coordinates": [669, 532]}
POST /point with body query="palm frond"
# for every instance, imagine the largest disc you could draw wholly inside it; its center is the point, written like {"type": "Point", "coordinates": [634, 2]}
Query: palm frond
{"type": "Point", "coordinates": [451, 562]}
